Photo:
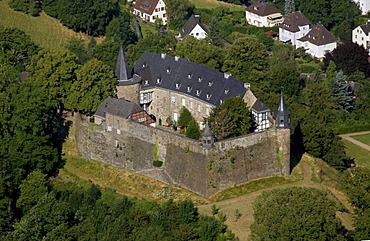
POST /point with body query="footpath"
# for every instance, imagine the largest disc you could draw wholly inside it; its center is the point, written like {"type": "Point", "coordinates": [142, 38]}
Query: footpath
{"type": "Point", "coordinates": [359, 143]}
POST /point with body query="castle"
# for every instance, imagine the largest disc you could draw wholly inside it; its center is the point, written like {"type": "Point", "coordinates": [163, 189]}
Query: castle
{"type": "Point", "coordinates": [126, 132]}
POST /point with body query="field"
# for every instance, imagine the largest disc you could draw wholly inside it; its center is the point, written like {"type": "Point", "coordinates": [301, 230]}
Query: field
{"type": "Point", "coordinates": [361, 156]}
{"type": "Point", "coordinates": [212, 4]}
{"type": "Point", "coordinates": [44, 30]}
{"type": "Point", "coordinates": [363, 138]}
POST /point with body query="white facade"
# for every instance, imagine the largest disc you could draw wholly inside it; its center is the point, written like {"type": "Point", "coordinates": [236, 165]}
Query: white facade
{"type": "Point", "coordinates": [360, 37]}
{"type": "Point", "coordinates": [318, 51]}
{"type": "Point", "coordinates": [261, 119]}
{"type": "Point", "coordinates": [198, 32]}
{"type": "Point", "coordinates": [286, 35]}
{"type": "Point", "coordinates": [264, 21]}
{"type": "Point", "coordinates": [364, 5]}
{"type": "Point", "coordinates": [159, 11]}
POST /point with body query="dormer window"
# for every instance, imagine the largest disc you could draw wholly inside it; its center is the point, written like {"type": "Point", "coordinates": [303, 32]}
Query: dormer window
{"type": "Point", "coordinates": [221, 101]}
{"type": "Point", "coordinates": [200, 79]}
{"type": "Point", "coordinates": [144, 64]}
{"type": "Point", "coordinates": [198, 92]}
{"type": "Point", "coordinates": [210, 83]}
{"type": "Point", "coordinates": [168, 70]}
{"type": "Point", "coordinates": [146, 82]}
{"type": "Point", "coordinates": [159, 80]}
{"type": "Point", "coordinates": [189, 76]}
{"type": "Point", "coordinates": [208, 96]}
{"type": "Point", "coordinates": [226, 91]}
{"type": "Point", "coordinates": [177, 86]}
{"type": "Point", "coordinates": [189, 89]}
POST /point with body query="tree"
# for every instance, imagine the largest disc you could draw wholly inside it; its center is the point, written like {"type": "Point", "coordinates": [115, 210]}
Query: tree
{"type": "Point", "coordinates": [119, 30]}
{"type": "Point", "coordinates": [246, 60]}
{"type": "Point", "coordinates": [192, 131]}
{"type": "Point", "coordinates": [341, 93]}
{"type": "Point", "coordinates": [54, 72]}
{"type": "Point", "coordinates": [95, 81]}
{"type": "Point", "coordinates": [350, 57]}
{"type": "Point", "coordinates": [77, 46]}
{"type": "Point", "coordinates": [230, 119]}
{"type": "Point", "coordinates": [27, 6]}
{"type": "Point", "coordinates": [177, 12]}
{"type": "Point", "coordinates": [295, 213]}
{"type": "Point", "coordinates": [289, 7]}
{"type": "Point", "coordinates": [214, 36]}
{"type": "Point", "coordinates": [185, 118]}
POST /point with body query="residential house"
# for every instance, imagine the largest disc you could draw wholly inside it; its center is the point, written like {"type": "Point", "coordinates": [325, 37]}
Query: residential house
{"type": "Point", "coordinates": [121, 108]}
{"type": "Point", "coordinates": [318, 41]}
{"type": "Point", "coordinates": [151, 10]}
{"type": "Point", "coordinates": [364, 5]}
{"type": "Point", "coordinates": [294, 27]}
{"type": "Point", "coordinates": [193, 27]}
{"type": "Point", "coordinates": [262, 14]}
{"type": "Point", "coordinates": [169, 83]}
{"type": "Point", "coordinates": [361, 36]}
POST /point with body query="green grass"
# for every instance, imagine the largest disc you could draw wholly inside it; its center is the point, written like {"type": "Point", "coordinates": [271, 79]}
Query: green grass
{"type": "Point", "coordinates": [363, 138]}
{"type": "Point", "coordinates": [44, 30]}
{"type": "Point", "coordinates": [212, 4]}
{"type": "Point", "coordinates": [361, 156]}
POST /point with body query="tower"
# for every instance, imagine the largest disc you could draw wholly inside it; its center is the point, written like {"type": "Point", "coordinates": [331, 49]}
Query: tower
{"type": "Point", "coordinates": [208, 138]}
{"type": "Point", "coordinates": [121, 70]}
{"type": "Point", "coordinates": [282, 115]}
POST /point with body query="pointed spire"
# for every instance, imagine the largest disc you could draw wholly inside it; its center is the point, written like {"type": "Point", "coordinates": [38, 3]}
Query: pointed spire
{"type": "Point", "coordinates": [282, 114]}
{"type": "Point", "coordinates": [121, 70]}
{"type": "Point", "coordinates": [208, 138]}
{"type": "Point", "coordinates": [207, 130]}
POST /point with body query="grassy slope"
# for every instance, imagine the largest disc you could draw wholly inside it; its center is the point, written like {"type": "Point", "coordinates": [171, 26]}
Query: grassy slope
{"type": "Point", "coordinates": [44, 30]}
{"type": "Point", "coordinates": [363, 138]}
{"type": "Point", "coordinates": [211, 4]}
{"type": "Point", "coordinates": [361, 156]}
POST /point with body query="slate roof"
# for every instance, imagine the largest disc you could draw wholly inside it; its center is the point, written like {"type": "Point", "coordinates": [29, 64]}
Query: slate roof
{"type": "Point", "coordinates": [181, 75]}
{"type": "Point", "coordinates": [293, 21]}
{"type": "Point", "coordinates": [318, 35]}
{"type": "Point", "coordinates": [262, 9]}
{"type": "Point", "coordinates": [190, 25]}
{"type": "Point", "coordinates": [121, 70]}
{"type": "Point", "coordinates": [366, 27]}
{"type": "Point", "coordinates": [117, 107]}
{"type": "Point", "coordinates": [258, 106]}
{"type": "Point", "coordinates": [146, 6]}
{"type": "Point", "coordinates": [207, 131]}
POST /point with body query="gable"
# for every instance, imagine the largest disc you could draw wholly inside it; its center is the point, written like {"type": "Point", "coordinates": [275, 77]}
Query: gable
{"type": "Point", "coordinates": [146, 6]}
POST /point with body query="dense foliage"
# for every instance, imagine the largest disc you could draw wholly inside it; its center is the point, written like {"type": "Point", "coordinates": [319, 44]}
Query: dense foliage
{"type": "Point", "coordinates": [178, 11]}
{"type": "Point", "coordinates": [295, 214]}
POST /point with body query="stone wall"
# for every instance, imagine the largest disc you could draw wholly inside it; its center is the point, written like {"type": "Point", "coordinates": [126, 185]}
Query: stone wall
{"type": "Point", "coordinates": [185, 161]}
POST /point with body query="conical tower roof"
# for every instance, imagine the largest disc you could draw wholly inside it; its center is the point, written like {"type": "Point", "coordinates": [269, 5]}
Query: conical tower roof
{"type": "Point", "coordinates": [282, 108]}
{"type": "Point", "coordinates": [282, 114]}
{"type": "Point", "coordinates": [121, 70]}
{"type": "Point", "coordinates": [207, 131]}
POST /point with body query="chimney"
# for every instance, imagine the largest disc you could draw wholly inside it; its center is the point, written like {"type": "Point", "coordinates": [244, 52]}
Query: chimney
{"type": "Point", "coordinates": [177, 58]}
{"type": "Point", "coordinates": [163, 55]}
{"type": "Point", "coordinates": [227, 75]}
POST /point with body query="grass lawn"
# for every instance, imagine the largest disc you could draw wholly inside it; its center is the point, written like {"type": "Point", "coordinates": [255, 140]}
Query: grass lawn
{"type": "Point", "coordinates": [212, 4]}
{"type": "Point", "coordinates": [44, 30]}
{"type": "Point", "coordinates": [361, 156]}
{"type": "Point", "coordinates": [363, 138]}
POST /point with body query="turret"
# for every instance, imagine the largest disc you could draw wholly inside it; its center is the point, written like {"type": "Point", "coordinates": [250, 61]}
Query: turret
{"type": "Point", "coordinates": [282, 115]}
{"type": "Point", "coordinates": [208, 138]}
{"type": "Point", "coordinates": [121, 70]}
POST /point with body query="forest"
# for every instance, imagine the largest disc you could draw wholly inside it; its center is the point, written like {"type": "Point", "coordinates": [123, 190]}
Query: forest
{"type": "Point", "coordinates": [80, 76]}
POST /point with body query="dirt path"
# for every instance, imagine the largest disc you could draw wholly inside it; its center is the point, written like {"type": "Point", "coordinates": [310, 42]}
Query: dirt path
{"type": "Point", "coordinates": [359, 143]}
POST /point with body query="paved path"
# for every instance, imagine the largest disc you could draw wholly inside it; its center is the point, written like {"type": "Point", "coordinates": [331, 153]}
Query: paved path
{"type": "Point", "coordinates": [359, 143]}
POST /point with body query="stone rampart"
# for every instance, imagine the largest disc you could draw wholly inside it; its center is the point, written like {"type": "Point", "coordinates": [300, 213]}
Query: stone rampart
{"type": "Point", "coordinates": [135, 147]}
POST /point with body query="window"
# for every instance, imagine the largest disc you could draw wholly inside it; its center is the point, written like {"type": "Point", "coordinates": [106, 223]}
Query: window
{"type": "Point", "coordinates": [183, 102]}
{"type": "Point", "coordinates": [146, 82]}
{"type": "Point", "coordinates": [191, 104]}
{"type": "Point", "coordinates": [189, 89]}
{"type": "Point", "coordinates": [168, 70]}
{"type": "Point", "coordinates": [110, 128]}
{"type": "Point", "coordinates": [208, 96]}
{"type": "Point", "coordinates": [210, 83]}
{"type": "Point", "coordinates": [173, 99]}
{"type": "Point", "coordinates": [198, 92]}
{"type": "Point", "coordinates": [226, 91]}
{"type": "Point", "coordinates": [200, 79]}
{"type": "Point", "coordinates": [159, 80]}
{"type": "Point", "coordinates": [199, 108]}
{"type": "Point", "coordinates": [177, 85]}
{"type": "Point", "coordinates": [118, 131]}
{"type": "Point", "coordinates": [221, 101]}
{"type": "Point", "coordinates": [196, 34]}
{"type": "Point", "coordinates": [207, 111]}
{"type": "Point", "coordinates": [190, 75]}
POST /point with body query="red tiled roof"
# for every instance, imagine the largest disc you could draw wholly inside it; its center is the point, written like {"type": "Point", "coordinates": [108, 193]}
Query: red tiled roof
{"type": "Point", "coordinates": [262, 9]}
{"type": "Point", "coordinates": [146, 6]}
{"type": "Point", "coordinates": [318, 35]}
{"type": "Point", "coordinates": [293, 21]}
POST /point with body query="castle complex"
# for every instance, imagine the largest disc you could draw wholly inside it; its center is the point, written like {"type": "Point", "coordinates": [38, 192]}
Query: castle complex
{"type": "Point", "coordinates": [127, 131]}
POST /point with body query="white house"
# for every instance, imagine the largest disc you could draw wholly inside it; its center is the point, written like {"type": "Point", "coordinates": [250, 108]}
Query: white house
{"type": "Point", "coordinates": [294, 27]}
{"type": "Point", "coordinates": [262, 14]}
{"type": "Point", "coordinates": [364, 5]}
{"type": "Point", "coordinates": [318, 41]}
{"type": "Point", "coordinates": [361, 36]}
{"type": "Point", "coordinates": [193, 27]}
{"type": "Point", "coordinates": [150, 10]}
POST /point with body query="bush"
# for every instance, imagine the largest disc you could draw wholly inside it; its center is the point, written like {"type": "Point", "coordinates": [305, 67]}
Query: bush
{"type": "Point", "coordinates": [157, 163]}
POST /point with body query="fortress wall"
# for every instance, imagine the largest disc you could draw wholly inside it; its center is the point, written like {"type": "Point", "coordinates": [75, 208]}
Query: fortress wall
{"type": "Point", "coordinates": [185, 161]}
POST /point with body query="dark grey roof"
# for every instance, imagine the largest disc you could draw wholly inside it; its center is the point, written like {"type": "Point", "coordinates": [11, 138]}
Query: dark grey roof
{"type": "Point", "coordinates": [282, 114]}
{"type": "Point", "coordinates": [117, 107]}
{"type": "Point", "coordinates": [190, 25]}
{"type": "Point", "coordinates": [262, 8]}
{"type": "Point", "coordinates": [121, 70]}
{"type": "Point", "coordinates": [366, 27]}
{"type": "Point", "coordinates": [294, 20]}
{"type": "Point", "coordinates": [258, 106]}
{"type": "Point", "coordinates": [181, 75]}
{"type": "Point", "coordinates": [282, 106]}
{"type": "Point", "coordinates": [207, 131]}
